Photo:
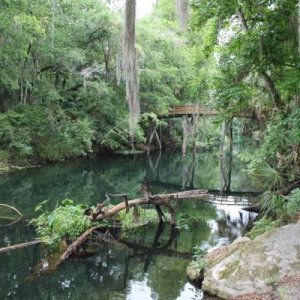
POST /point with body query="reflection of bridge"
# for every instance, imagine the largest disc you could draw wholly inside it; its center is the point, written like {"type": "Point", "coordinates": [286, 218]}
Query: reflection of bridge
{"type": "Point", "coordinates": [215, 196]}
{"type": "Point", "coordinates": [197, 109]}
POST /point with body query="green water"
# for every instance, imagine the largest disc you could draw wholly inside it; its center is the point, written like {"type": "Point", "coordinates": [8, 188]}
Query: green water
{"type": "Point", "coordinates": [150, 262]}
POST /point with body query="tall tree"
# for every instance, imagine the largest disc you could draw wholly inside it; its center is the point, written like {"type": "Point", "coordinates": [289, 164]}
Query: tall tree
{"type": "Point", "coordinates": [130, 66]}
{"type": "Point", "coordinates": [182, 8]}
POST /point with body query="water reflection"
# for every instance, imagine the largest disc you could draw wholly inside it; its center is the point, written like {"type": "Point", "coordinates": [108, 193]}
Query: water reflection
{"type": "Point", "coordinates": [147, 263]}
{"type": "Point", "coordinates": [89, 180]}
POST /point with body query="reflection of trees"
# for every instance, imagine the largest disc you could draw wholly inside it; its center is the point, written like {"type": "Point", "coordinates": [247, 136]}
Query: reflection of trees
{"type": "Point", "coordinates": [88, 180]}
{"type": "Point", "coordinates": [163, 264]}
{"type": "Point", "coordinates": [226, 157]}
{"type": "Point", "coordinates": [156, 255]}
{"type": "Point", "coordinates": [234, 227]}
{"type": "Point", "coordinates": [199, 170]}
{"type": "Point", "coordinates": [105, 275]}
{"type": "Point", "coordinates": [83, 180]}
{"type": "Point", "coordinates": [167, 277]}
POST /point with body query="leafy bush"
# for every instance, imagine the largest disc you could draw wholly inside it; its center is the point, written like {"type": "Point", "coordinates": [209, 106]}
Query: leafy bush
{"type": "Point", "coordinates": [28, 132]}
{"type": "Point", "coordinates": [199, 259]}
{"type": "Point", "coordinates": [280, 140]}
{"type": "Point", "coordinates": [293, 203]}
{"type": "Point", "coordinates": [273, 204]}
{"type": "Point", "coordinates": [65, 221]}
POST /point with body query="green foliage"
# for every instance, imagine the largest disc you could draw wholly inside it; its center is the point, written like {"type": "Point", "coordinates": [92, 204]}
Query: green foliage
{"type": "Point", "coordinates": [262, 226]}
{"type": "Point", "coordinates": [284, 208]}
{"type": "Point", "coordinates": [60, 96]}
{"type": "Point", "coordinates": [166, 71]}
{"type": "Point", "coordinates": [201, 263]}
{"type": "Point", "coordinates": [267, 177]}
{"type": "Point", "coordinates": [199, 259]}
{"type": "Point", "coordinates": [273, 204]}
{"type": "Point", "coordinates": [27, 131]}
{"type": "Point", "coordinates": [4, 155]}
{"type": "Point", "coordinates": [148, 119]}
{"type": "Point", "coordinates": [65, 221]}
{"type": "Point", "coordinates": [280, 142]}
{"type": "Point", "coordinates": [293, 203]}
{"type": "Point", "coordinates": [146, 216]}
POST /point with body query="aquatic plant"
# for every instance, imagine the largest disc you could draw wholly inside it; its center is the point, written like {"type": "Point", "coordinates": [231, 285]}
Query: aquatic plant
{"type": "Point", "coordinates": [66, 221]}
{"type": "Point", "coordinates": [139, 216]}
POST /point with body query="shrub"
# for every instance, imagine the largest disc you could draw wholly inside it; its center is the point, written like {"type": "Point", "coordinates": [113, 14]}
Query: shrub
{"type": "Point", "coordinates": [65, 221]}
{"type": "Point", "coordinates": [293, 203]}
{"type": "Point", "coordinates": [30, 132]}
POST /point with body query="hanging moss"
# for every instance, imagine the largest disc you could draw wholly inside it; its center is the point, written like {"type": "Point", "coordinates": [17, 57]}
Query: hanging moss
{"type": "Point", "coordinates": [182, 8]}
{"type": "Point", "coordinates": [130, 66]}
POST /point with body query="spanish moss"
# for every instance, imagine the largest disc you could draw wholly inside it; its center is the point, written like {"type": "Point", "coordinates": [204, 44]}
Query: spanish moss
{"type": "Point", "coordinates": [130, 66]}
{"type": "Point", "coordinates": [182, 9]}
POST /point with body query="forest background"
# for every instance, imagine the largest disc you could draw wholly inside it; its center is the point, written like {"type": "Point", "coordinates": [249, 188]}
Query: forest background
{"type": "Point", "coordinates": [62, 89]}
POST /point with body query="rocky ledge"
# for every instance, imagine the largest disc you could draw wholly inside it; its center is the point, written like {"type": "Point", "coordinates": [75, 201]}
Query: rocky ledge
{"type": "Point", "coordinates": [265, 268]}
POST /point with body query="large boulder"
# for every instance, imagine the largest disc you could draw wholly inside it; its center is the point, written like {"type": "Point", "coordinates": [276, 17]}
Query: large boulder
{"type": "Point", "coordinates": [265, 268]}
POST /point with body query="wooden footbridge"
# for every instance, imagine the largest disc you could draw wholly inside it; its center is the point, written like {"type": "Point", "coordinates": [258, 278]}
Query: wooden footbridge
{"type": "Point", "coordinates": [200, 110]}
{"type": "Point", "coordinates": [190, 113]}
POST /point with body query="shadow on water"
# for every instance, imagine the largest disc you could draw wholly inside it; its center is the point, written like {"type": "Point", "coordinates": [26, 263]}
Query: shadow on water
{"type": "Point", "coordinates": [146, 263]}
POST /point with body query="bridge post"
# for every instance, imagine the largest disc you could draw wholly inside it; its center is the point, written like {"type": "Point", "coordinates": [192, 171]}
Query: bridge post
{"type": "Point", "coordinates": [185, 134]}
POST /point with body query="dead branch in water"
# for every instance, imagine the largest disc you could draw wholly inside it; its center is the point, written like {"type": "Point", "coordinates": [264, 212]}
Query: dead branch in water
{"type": "Point", "coordinates": [76, 244]}
{"type": "Point", "coordinates": [160, 199]}
{"type": "Point", "coordinates": [20, 246]}
{"type": "Point", "coordinates": [13, 220]}
{"type": "Point", "coordinates": [12, 208]}
{"type": "Point", "coordinates": [156, 200]}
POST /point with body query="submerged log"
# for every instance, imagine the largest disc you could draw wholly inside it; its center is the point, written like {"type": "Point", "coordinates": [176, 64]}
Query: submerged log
{"type": "Point", "coordinates": [19, 246]}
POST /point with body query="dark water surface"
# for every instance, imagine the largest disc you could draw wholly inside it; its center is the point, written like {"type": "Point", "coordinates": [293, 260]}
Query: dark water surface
{"type": "Point", "coordinates": [150, 262]}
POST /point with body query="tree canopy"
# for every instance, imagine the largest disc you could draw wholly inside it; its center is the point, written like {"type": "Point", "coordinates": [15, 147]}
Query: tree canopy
{"type": "Point", "coordinates": [62, 74]}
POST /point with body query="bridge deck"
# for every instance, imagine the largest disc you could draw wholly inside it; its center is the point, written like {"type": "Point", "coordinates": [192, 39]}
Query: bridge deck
{"type": "Point", "coordinates": [197, 109]}
{"type": "Point", "coordinates": [191, 109]}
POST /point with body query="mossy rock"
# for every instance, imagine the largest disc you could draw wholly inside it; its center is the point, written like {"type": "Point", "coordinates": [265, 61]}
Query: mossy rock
{"type": "Point", "coordinates": [255, 266]}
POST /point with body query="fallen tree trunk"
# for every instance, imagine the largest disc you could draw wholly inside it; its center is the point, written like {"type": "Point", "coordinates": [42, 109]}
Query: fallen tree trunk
{"type": "Point", "coordinates": [12, 208]}
{"type": "Point", "coordinates": [79, 241]}
{"type": "Point", "coordinates": [156, 200]}
{"type": "Point", "coordinates": [19, 246]}
{"type": "Point", "coordinates": [160, 199]}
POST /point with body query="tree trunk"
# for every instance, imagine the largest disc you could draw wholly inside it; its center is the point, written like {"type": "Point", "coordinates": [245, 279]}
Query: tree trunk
{"type": "Point", "coordinates": [182, 9]}
{"type": "Point", "coordinates": [19, 246]}
{"type": "Point", "coordinates": [160, 199]}
{"type": "Point", "coordinates": [130, 66]}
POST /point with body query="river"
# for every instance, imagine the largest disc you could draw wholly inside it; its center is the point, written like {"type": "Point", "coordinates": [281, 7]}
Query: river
{"type": "Point", "coordinates": [151, 262]}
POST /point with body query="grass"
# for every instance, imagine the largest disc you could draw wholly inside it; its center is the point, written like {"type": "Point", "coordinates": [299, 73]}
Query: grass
{"type": "Point", "coordinates": [262, 226]}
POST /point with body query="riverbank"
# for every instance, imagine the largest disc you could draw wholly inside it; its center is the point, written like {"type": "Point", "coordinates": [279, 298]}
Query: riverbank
{"type": "Point", "coordinates": [7, 167]}
{"type": "Point", "coordinates": [267, 267]}
{"type": "Point", "coordinates": [10, 165]}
